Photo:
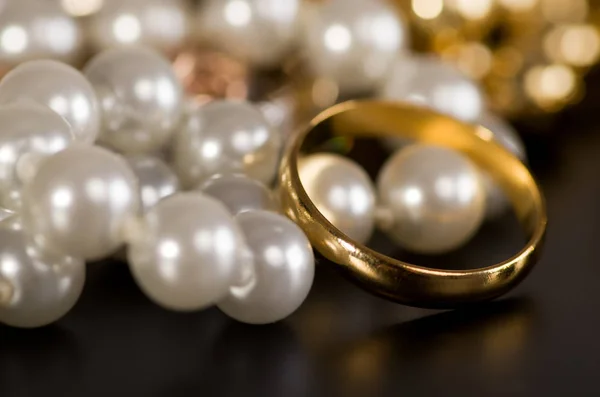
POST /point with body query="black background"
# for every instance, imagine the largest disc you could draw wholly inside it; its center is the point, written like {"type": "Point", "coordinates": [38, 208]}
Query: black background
{"type": "Point", "coordinates": [543, 339]}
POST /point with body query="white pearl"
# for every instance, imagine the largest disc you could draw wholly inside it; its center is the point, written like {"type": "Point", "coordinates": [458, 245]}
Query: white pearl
{"type": "Point", "coordinates": [79, 201]}
{"type": "Point", "coordinates": [342, 191]}
{"type": "Point", "coordinates": [353, 42]}
{"type": "Point", "coordinates": [239, 193]}
{"type": "Point", "coordinates": [29, 132]}
{"type": "Point", "coordinates": [58, 86]}
{"type": "Point", "coordinates": [39, 288]}
{"type": "Point", "coordinates": [497, 202]}
{"type": "Point", "coordinates": [161, 24]}
{"type": "Point", "coordinates": [140, 96]}
{"type": "Point", "coordinates": [35, 29]}
{"type": "Point", "coordinates": [155, 179]}
{"type": "Point", "coordinates": [435, 197]}
{"type": "Point", "coordinates": [428, 81]}
{"type": "Point", "coordinates": [280, 110]}
{"type": "Point", "coordinates": [188, 252]}
{"type": "Point", "coordinates": [226, 137]}
{"type": "Point", "coordinates": [284, 270]}
{"type": "Point", "coordinates": [260, 32]}
{"type": "Point", "coordinates": [5, 215]}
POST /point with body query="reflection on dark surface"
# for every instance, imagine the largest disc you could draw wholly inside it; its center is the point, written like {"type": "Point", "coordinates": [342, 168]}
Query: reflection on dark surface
{"type": "Point", "coordinates": [260, 361]}
{"type": "Point", "coordinates": [342, 342]}
{"type": "Point", "coordinates": [491, 338]}
{"type": "Point", "coordinates": [29, 358]}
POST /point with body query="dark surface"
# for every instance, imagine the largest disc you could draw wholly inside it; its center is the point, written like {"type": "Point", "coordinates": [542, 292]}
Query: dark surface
{"type": "Point", "coordinates": [541, 340]}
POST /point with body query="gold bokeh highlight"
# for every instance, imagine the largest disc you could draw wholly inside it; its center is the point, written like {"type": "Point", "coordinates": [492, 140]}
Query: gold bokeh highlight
{"type": "Point", "coordinates": [529, 55]}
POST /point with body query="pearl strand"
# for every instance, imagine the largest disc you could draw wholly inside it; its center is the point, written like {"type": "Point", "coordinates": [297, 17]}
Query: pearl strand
{"type": "Point", "coordinates": [186, 250]}
{"type": "Point", "coordinates": [428, 199]}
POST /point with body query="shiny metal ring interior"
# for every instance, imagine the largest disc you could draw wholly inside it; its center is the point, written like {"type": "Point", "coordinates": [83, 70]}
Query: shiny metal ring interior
{"type": "Point", "coordinates": [393, 279]}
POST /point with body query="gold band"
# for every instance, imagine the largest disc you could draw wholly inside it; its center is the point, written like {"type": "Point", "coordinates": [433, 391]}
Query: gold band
{"type": "Point", "coordinates": [393, 279]}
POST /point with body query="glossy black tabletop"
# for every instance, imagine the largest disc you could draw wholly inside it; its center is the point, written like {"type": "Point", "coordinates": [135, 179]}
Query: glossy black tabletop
{"type": "Point", "coordinates": [543, 339]}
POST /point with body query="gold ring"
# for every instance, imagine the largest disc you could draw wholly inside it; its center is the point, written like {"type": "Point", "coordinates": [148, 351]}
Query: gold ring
{"type": "Point", "coordinates": [390, 278]}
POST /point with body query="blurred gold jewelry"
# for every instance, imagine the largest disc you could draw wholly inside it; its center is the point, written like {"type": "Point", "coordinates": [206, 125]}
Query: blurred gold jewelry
{"type": "Point", "coordinates": [207, 73]}
{"type": "Point", "coordinates": [394, 279]}
{"type": "Point", "coordinates": [531, 56]}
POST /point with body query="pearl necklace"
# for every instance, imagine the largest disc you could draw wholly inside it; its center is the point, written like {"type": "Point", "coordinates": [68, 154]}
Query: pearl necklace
{"type": "Point", "coordinates": [75, 201]}
{"type": "Point", "coordinates": [219, 242]}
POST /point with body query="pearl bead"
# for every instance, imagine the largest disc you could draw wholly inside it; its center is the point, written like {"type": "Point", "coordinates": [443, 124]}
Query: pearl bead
{"type": "Point", "coordinates": [435, 197]}
{"type": "Point", "coordinates": [5, 216]}
{"type": "Point", "coordinates": [496, 202]}
{"type": "Point", "coordinates": [353, 42]}
{"type": "Point", "coordinates": [239, 193]}
{"type": "Point", "coordinates": [188, 252]}
{"type": "Point", "coordinates": [34, 29]}
{"type": "Point", "coordinates": [29, 132]}
{"type": "Point", "coordinates": [260, 32]}
{"type": "Point", "coordinates": [280, 110]}
{"type": "Point", "coordinates": [58, 86]}
{"type": "Point", "coordinates": [284, 270]}
{"type": "Point", "coordinates": [141, 99]}
{"type": "Point", "coordinates": [79, 201]}
{"type": "Point", "coordinates": [39, 288]}
{"type": "Point", "coordinates": [428, 81]}
{"type": "Point", "coordinates": [161, 24]}
{"type": "Point", "coordinates": [155, 179]}
{"type": "Point", "coordinates": [226, 137]}
{"type": "Point", "coordinates": [342, 191]}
